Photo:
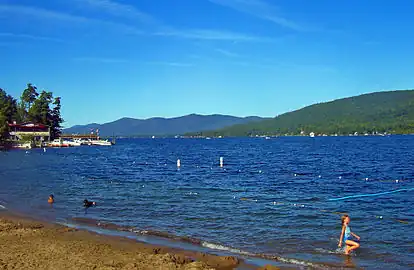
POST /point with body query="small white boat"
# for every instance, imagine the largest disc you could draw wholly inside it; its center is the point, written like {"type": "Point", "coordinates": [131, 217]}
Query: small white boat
{"type": "Point", "coordinates": [101, 142]}
{"type": "Point", "coordinates": [312, 135]}
{"type": "Point", "coordinates": [72, 143]}
{"type": "Point", "coordinates": [27, 145]}
{"type": "Point", "coordinates": [58, 143]}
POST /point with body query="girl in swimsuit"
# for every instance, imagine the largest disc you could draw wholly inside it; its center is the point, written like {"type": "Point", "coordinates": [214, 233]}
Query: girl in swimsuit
{"type": "Point", "coordinates": [346, 236]}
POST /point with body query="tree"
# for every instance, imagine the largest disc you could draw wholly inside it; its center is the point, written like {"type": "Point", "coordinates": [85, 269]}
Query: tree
{"type": "Point", "coordinates": [8, 113]}
{"type": "Point", "coordinates": [57, 120]}
{"type": "Point", "coordinates": [39, 111]}
{"type": "Point", "coordinates": [26, 100]}
{"type": "Point", "coordinates": [4, 128]}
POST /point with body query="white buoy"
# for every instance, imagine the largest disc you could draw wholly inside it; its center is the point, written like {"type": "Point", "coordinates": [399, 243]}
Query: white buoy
{"type": "Point", "coordinates": [44, 149]}
{"type": "Point", "coordinates": [221, 161]}
{"type": "Point", "coordinates": [178, 163]}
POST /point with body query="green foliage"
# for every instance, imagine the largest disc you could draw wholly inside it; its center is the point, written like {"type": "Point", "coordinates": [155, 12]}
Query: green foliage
{"type": "Point", "coordinates": [391, 112]}
{"type": "Point", "coordinates": [8, 111]}
{"type": "Point", "coordinates": [4, 129]}
{"type": "Point", "coordinates": [56, 119]}
{"type": "Point", "coordinates": [40, 112]}
{"type": "Point", "coordinates": [33, 107]}
{"type": "Point", "coordinates": [27, 98]}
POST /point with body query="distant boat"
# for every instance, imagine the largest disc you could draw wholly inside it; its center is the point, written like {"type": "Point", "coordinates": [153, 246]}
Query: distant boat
{"type": "Point", "coordinates": [267, 138]}
{"type": "Point", "coordinates": [312, 135]}
{"type": "Point", "coordinates": [101, 142]}
{"type": "Point", "coordinates": [208, 138]}
{"type": "Point", "coordinates": [72, 143]}
{"type": "Point", "coordinates": [27, 145]}
{"type": "Point", "coordinates": [58, 143]}
{"type": "Point", "coordinates": [153, 137]}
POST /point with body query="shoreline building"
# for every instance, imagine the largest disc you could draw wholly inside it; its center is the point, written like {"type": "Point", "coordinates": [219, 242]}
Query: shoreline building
{"type": "Point", "coordinates": [29, 133]}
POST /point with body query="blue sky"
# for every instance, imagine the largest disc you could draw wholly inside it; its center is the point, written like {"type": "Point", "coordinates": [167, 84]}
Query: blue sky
{"type": "Point", "coordinates": [114, 58]}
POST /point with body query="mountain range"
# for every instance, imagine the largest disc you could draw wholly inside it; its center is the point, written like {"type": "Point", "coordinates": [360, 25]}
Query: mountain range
{"type": "Point", "coordinates": [162, 126]}
{"type": "Point", "coordinates": [378, 112]}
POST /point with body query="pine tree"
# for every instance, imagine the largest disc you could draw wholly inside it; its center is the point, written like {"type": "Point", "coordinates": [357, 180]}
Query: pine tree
{"type": "Point", "coordinates": [56, 119]}
{"type": "Point", "coordinates": [8, 113]}
{"type": "Point", "coordinates": [26, 101]}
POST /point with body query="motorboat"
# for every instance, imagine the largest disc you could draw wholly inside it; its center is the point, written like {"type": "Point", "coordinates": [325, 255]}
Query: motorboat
{"type": "Point", "coordinates": [72, 143]}
{"type": "Point", "coordinates": [27, 145]}
{"type": "Point", "coordinates": [59, 143]}
{"type": "Point", "coordinates": [100, 142]}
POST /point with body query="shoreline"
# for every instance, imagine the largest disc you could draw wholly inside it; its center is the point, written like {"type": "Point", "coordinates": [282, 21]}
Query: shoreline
{"type": "Point", "coordinates": [28, 243]}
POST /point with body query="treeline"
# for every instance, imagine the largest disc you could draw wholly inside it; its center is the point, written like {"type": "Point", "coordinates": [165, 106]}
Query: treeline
{"type": "Point", "coordinates": [32, 106]}
{"type": "Point", "coordinates": [391, 112]}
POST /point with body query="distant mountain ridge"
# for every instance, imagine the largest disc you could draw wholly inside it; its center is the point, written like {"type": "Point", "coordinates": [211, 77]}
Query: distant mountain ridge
{"type": "Point", "coordinates": [386, 111]}
{"type": "Point", "coordinates": [162, 126]}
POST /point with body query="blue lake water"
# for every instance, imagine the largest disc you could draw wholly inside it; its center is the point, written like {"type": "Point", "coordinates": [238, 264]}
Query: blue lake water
{"type": "Point", "coordinates": [271, 198]}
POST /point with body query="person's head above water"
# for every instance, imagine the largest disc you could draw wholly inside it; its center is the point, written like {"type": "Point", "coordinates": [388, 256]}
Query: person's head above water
{"type": "Point", "coordinates": [87, 203]}
{"type": "Point", "coordinates": [51, 199]}
{"type": "Point", "coordinates": [345, 219]}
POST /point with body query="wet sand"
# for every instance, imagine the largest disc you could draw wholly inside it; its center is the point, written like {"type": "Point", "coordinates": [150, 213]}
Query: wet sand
{"type": "Point", "coordinates": [31, 244]}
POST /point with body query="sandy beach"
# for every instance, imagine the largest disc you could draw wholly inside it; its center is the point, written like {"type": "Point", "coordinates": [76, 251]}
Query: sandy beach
{"type": "Point", "coordinates": [31, 244]}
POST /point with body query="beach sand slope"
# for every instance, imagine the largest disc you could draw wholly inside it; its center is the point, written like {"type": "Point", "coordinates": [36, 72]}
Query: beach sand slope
{"type": "Point", "coordinates": [28, 244]}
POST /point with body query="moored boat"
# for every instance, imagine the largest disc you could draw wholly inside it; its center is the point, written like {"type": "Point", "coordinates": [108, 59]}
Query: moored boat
{"type": "Point", "coordinates": [58, 143]}
{"type": "Point", "coordinates": [26, 145]}
{"type": "Point", "coordinates": [101, 142]}
{"type": "Point", "coordinates": [72, 143]}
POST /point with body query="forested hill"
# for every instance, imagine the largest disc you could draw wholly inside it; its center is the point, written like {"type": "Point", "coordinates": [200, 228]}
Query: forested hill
{"type": "Point", "coordinates": [391, 111]}
{"type": "Point", "coordinates": [162, 126]}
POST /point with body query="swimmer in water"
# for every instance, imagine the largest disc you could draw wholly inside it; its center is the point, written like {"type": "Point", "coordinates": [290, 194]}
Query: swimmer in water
{"type": "Point", "coordinates": [87, 203]}
{"type": "Point", "coordinates": [346, 236]}
{"type": "Point", "coordinates": [51, 199]}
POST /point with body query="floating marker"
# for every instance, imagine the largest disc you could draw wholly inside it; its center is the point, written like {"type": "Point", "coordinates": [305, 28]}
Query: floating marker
{"type": "Point", "coordinates": [44, 149]}
{"type": "Point", "coordinates": [221, 161]}
{"type": "Point", "coordinates": [340, 177]}
{"type": "Point", "coordinates": [178, 163]}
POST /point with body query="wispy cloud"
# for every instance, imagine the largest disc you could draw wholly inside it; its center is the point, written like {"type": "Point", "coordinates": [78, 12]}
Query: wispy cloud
{"type": "Point", "coordinates": [40, 13]}
{"type": "Point", "coordinates": [260, 9]}
{"type": "Point", "coordinates": [172, 64]}
{"type": "Point", "coordinates": [100, 60]}
{"type": "Point", "coordinates": [118, 9]}
{"type": "Point", "coordinates": [207, 34]}
{"type": "Point", "coordinates": [227, 53]}
{"type": "Point", "coordinates": [32, 37]}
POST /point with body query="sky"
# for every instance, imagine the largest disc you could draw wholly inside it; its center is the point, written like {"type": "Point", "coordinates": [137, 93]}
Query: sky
{"type": "Point", "coordinates": [109, 59]}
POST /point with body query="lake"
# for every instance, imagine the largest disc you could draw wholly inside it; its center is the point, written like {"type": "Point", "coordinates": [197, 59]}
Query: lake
{"type": "Point", "coordinates": [271, 199]}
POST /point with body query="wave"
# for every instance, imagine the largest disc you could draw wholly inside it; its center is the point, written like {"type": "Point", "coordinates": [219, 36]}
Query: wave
{"type": "Point", "coordinates": [224, 248]}
{"type": "Point", "coordinates": [198, 242]}
{"type": "Point", "coordinates": [2, 207]}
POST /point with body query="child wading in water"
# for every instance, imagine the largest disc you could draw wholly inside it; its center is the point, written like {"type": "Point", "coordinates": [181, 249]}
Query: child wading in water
{"type": "Point", "coordinates": [346, 236]}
